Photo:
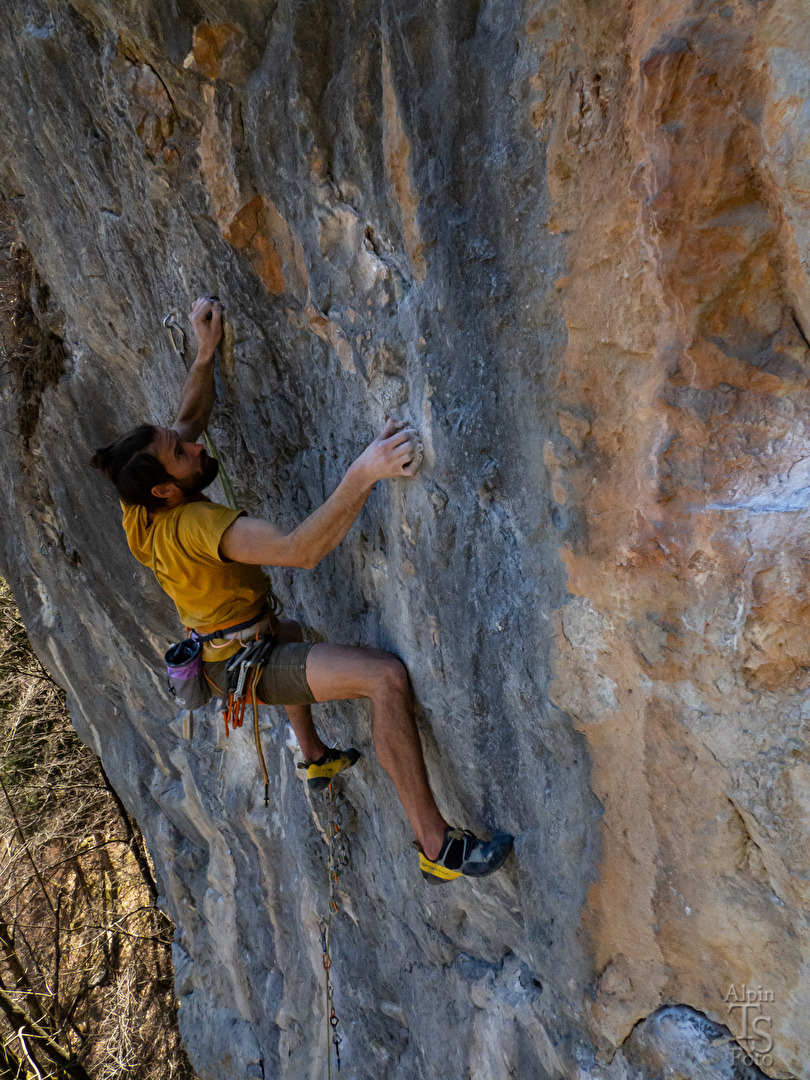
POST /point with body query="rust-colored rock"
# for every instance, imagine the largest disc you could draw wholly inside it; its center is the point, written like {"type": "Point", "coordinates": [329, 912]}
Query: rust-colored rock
{"type": "Point", "coordinates": [221, 51]}
{"type": "Point", "coordinates": [211, 42]}
{"type": "Point", "coordinates": [397, 154]}
{"type": "Point", "coordinates": [150, 108]}
{"type": "Point", "coordinates": [682, 658]}
{"type": "Point", "coordinates": [259, 230]}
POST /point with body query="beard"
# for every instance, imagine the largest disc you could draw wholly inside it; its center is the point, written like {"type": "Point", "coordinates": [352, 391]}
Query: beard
{"type": "Point", "coordinates": [206, 476]}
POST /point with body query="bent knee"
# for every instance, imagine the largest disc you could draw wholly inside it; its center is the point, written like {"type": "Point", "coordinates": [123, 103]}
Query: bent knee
{"type": "Point", "coordinates": [391, 676]}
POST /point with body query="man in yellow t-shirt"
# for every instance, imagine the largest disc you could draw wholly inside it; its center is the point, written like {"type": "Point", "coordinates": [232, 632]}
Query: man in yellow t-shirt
{"type": "Point", "coordinates": [208, 558]}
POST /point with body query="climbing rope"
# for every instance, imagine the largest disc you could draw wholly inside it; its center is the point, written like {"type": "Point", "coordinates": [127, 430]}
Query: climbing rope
{"type": "Point", "coordinates": [337, 860]}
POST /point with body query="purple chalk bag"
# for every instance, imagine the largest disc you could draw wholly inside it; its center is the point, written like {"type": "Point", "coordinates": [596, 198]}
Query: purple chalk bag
{"type": "Point", "coordinates": [187, 681]}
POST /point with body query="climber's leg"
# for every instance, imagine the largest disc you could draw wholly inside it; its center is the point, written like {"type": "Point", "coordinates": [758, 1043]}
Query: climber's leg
{"type": "Point", "coordinates": [339, 672]}
{"type": "Point", "coordinates": [300, 716]}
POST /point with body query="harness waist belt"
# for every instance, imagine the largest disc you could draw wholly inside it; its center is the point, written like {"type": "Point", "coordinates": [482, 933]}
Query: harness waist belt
{"type": "Point", "coordinates": [230, 629]}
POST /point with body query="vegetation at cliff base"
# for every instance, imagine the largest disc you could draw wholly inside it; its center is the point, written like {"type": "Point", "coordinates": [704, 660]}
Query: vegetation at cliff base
{"type": "Point", "coordinates": [86, 983]}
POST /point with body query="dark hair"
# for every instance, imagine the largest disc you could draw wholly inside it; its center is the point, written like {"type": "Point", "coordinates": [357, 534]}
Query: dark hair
{"type": "Point", "coordinates": [131, 467]}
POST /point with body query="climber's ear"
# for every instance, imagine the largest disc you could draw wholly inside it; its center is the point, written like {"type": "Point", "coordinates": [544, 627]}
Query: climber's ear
{"type": "Point", "coordinates": [165, 491]}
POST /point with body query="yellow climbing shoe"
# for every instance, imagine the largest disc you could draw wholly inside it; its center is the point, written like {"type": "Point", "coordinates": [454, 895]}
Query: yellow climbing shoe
{"type": "Point", "coordinates": [320, 773]}
{"type": "Point", "coordinates": [463, 854]}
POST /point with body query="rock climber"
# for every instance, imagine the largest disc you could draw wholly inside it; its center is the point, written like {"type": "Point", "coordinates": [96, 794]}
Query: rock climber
{"type": "Point", "coordinates": [210, 560]}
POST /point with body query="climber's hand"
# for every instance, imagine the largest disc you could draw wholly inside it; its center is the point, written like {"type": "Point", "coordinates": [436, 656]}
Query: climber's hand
{"type": "Point", "coordinates": [206, 319]}
{"type": "Point", "coordinates": [396, 452]}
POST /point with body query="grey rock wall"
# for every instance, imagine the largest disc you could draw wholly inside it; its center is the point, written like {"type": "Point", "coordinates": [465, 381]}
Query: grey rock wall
{"type": "Point", "coordinates": [441, 210]}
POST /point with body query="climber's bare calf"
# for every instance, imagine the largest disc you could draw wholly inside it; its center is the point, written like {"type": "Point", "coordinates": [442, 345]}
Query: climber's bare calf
{"type": "Point", "coordinates": [338, 673]}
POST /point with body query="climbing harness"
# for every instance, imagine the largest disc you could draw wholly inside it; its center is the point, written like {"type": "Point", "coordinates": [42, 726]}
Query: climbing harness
{"type": "Point", "coordinates": [184, 664]}
{"type": "Point", "coordinates": [337, 860]}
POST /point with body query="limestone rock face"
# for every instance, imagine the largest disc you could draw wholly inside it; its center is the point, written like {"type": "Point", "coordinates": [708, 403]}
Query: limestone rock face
{"type": "Point", "coordinates": [568, 240]}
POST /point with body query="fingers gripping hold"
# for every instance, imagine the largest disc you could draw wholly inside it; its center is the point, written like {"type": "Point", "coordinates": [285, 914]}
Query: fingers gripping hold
{"type": "Point", "coordinates": [404, 440]}
{"type": "Point", "coordinates": [412, 467]}
{"type": "Point", "coordinates": [394, 454]}
{"type": "Point", "coordinates": [205, 309]}
{"type": "Point", "coordinates": [392, 426]}
{"type": "Point", "coordinates": [206, 320]}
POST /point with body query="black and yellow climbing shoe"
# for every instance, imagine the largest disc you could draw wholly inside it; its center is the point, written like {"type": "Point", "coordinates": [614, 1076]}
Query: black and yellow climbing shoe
{"type": "Point", "coordinates": [464, 854]}
{"type": "Point", "coordinates": [321, 772]}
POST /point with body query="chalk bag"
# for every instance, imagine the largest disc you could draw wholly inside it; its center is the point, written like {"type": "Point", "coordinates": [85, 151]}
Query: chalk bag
{"type": "Point", "coordinates": [187, 681]}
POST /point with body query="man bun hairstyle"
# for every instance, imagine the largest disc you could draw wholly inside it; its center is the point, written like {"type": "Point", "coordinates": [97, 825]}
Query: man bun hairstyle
{"type": "Point", "coordinates": [130, 466]}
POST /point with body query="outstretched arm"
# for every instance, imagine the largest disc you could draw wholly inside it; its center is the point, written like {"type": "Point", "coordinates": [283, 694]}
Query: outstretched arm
{"type": "Point", "coordinates": [197, 398]}
{"type": "Point", "coordinates": [249, 540]}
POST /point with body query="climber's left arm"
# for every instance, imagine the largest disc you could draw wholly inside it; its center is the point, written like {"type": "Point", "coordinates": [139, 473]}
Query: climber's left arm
{"type": "Point", "coordinates": [197, 398]}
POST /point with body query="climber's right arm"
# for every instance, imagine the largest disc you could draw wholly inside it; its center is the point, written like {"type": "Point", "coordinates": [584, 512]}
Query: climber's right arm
{"type": "Point", "coordinates": [249, 540]}
{"type": "Point", "coordinates": [197, 398]}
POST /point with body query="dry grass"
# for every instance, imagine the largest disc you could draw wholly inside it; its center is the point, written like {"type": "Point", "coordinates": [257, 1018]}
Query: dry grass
{"type": "Point", "coordinates": [85, 962]}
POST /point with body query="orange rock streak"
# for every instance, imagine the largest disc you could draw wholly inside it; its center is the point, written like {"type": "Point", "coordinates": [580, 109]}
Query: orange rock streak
{"type": "Point", "coordinates": [683, 415]}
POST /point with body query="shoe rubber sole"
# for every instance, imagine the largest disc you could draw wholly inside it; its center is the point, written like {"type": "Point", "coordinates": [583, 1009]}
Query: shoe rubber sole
{"type": "Point", "coordinates": [319, 777]}
{"type": "Point", "coordinates": [435, 873]}
{"type": "Point", "coordinates": [499, 848]}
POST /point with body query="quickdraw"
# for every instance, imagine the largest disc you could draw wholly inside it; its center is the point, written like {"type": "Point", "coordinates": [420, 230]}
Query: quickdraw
{"type": "Point", "coordinates": [244, 672]}
{"type": "Point", "coordinates": [333, 1039]}
{"type": "Point", "coordinates": [338, 860]}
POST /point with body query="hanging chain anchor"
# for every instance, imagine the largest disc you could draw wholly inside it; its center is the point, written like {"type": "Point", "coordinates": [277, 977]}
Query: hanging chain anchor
{"type": "Point", "coordinates": [337, 860]}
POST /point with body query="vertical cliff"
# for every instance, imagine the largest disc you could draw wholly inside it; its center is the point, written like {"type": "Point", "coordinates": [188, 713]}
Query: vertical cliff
{"type": "Point", "coordinates": [568, 241]}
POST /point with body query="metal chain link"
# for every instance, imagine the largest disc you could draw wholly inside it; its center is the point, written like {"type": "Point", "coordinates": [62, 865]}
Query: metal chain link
{"type": "Point", "coordinates": [338, 859]}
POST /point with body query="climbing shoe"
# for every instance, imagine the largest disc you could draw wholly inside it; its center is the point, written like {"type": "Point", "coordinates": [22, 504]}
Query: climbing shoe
{"type": "Point", "coordinates": [320, 773]}
{"type": "Point", "coordinates": [462, 853]}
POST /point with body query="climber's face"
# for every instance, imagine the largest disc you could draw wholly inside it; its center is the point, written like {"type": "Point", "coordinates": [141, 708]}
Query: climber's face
{"type": "Point", "coordinates": [188, 463]}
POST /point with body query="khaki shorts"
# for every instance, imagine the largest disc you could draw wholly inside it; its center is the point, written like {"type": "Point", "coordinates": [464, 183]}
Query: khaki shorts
{"type": "Point", "coordinates": [284, 679]}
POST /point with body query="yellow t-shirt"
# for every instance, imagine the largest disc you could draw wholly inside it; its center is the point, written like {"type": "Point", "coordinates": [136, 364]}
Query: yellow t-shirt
{"type": "Point", "coordinates": [182, 546]}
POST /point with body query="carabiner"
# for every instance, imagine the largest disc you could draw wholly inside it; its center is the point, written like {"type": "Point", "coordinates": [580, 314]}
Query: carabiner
{"type": "Point", "coordinates": [171, 324]}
